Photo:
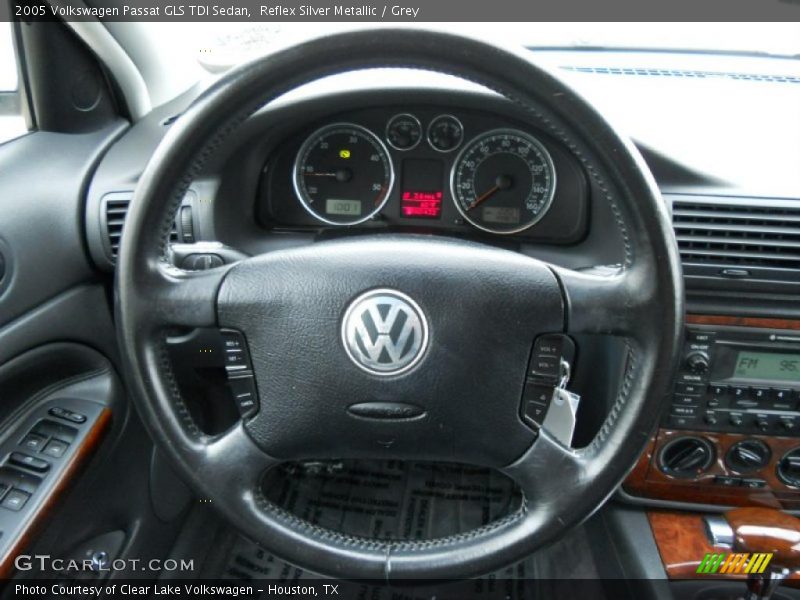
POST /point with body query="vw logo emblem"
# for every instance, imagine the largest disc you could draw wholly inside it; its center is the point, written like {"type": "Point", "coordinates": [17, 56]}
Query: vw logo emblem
{"type": "Point", "coordinates": [384, 332]}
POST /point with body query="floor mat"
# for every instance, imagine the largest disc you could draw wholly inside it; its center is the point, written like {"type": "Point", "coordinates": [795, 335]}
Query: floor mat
{"type": "Point", "coordinates": [399, 500]}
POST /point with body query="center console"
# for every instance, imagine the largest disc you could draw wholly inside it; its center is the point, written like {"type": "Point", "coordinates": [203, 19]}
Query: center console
{"type": "Point", "coordinates": [730, 435]}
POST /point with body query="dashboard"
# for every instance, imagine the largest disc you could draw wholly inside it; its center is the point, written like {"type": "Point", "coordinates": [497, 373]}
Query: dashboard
{"type": "Point", "coordinates": [427, 168]}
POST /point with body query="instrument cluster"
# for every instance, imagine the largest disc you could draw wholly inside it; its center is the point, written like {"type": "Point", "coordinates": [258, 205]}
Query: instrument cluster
{"type": "Point", "coordinates": [425, 168]}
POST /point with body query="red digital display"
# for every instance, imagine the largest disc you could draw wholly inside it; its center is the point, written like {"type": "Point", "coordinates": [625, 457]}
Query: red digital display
{"type": "Point", "coordinates": [421, 205]}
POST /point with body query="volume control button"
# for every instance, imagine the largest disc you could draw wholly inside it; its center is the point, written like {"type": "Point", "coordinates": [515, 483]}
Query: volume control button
{"type": "Point", "coordinates": [697, 362]}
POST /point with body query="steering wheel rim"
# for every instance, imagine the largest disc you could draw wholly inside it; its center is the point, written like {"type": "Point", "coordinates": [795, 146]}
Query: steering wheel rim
{"type": "Point", "coordinates": [151, 295]}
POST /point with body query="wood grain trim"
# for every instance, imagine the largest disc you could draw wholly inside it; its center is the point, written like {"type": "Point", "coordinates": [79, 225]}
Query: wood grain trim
{"type": "Point", "coordinates": [764, 323]}
{"type": "Point", "coordinates": [648, 481]}
{"type": "Point", "coordinates": [87, 448]}
{"type": "Point", "coordinates": [682, 543]}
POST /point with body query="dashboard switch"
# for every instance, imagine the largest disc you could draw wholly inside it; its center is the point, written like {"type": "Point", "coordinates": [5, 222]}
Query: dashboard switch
{"type": "Point", "coordinates": [753, 483]}
{"type": "Point", "coordinates": [33, 442]}
{"type": "Point", "coordinates": [15, 500]}
{"type": "Point", "coordinates": [21, 459]}
{"type": "Point", "coordinates": [55, 448]}
{"type": "Point", "coordinates": [727, 481]}
{"type": "Point", "coordinates": [68, 415]}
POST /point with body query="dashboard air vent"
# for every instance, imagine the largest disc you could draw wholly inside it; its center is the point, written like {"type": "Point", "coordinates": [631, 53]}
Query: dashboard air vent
{"type": "Point", "coordinates": [683, 73]}
{"type": "Point", "coordinates": [115, 209]}
{"type": "Point", "coordinates": [744, 238]}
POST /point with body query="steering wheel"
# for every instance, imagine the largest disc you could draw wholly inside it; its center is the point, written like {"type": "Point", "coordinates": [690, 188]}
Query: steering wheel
{"type": "Point", "coordinates": [472, 309]}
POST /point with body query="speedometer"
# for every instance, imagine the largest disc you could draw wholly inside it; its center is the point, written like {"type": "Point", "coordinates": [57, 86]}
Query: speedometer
{"type": "Point", "coordinates": [503, 181]}
{"type": "Point", "coordinates": [343, 174]}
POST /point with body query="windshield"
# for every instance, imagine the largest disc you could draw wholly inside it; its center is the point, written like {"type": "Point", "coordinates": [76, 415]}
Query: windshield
{"type": "Point", "coordinates": [218, 46]}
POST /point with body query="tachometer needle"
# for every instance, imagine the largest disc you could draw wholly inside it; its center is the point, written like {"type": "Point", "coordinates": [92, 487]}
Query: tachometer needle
{"type": "Point", "coordinates": [503, 182]}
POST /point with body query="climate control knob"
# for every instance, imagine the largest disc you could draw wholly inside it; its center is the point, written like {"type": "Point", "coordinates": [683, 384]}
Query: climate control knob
{"type": "Point", "coordinates": [747, 455]}
{"type": "Point", "coordinates": [697, 362]}
{"type": "Point", "coordinates": [686, 457]}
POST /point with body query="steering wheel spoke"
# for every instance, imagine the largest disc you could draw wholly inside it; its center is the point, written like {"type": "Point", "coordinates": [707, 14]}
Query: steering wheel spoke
{"type": "Point", "coordinates": [216, 454]}
{"type": "Point", "coordinates": [609, 301]}
{"type": "Point", "coordinates": [184, 298]}
{"type": "Point", "coordinates": [534, 470]}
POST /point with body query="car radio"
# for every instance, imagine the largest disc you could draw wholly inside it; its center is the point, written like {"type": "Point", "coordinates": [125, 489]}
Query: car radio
{"type": "Point", "coordinates": [738, 380]}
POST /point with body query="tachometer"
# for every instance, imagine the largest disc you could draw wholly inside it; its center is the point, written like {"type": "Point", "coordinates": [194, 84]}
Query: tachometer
{"type": "Point", "coordinates": [503, 181]}
{"type": "Point", "coordinates": [343, 174]}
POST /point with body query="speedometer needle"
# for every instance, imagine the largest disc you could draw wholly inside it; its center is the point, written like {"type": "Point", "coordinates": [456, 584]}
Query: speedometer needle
{"type": "Point", "coordinates": [485, 196]}
{"type": "Point", "coordinates": [503, 182]}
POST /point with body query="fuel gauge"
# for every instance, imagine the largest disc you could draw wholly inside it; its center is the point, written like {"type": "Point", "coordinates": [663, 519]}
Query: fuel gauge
{"type": "Point", "coordinates": [445, 133]}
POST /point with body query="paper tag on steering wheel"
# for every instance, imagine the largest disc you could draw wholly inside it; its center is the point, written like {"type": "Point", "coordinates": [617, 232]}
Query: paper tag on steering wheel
{"type": "Point", "coordinates": [561, 415]}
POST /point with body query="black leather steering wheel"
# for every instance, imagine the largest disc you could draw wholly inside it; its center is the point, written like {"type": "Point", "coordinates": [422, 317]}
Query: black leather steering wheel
{"type": "Point", "coordinates": [478, 301]}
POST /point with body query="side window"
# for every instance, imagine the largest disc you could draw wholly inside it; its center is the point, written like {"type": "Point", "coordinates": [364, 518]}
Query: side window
{"type": "Point", "coordinates": [12, 122]}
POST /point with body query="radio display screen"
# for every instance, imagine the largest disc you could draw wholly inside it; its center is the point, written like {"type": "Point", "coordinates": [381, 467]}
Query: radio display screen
{"type": "Point", "coordinates": [767, 365]}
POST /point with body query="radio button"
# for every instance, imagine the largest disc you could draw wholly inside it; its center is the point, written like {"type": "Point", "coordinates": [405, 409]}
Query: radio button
{"type": "Point", "coordinates": [684, 411]}
{"type": "Point", "coordinates": [760, 394]}
{"type": "Point", "coordinates": [702, 337]}
{"type": "Point", "coordinates": [718, 390]}
{"type": "Point", "coordinates": [782, 395]}
{"type": "Point", "coordinates": [762, 422]}
{"type": "Point", "coordinates": [787, 423]}
{"type": "Point", "coordinates": [682, 400]}
{"type": "Point", "coordinates": [745, 403]}
{"type": "Point", "coordinates": [740, 391]}
{"type": "Point", "coordinates": [680, 422]}
{"type": "Point", "coordinates": [689, 389]}
{"type": "Point", "coordinates": [710, 418]}
{"type": "Point", "coordinates": [781, 405]}
{"type": "Point", "coordinates": [714, 403]}
{"type": "Point", "coordinates": [736, 419]}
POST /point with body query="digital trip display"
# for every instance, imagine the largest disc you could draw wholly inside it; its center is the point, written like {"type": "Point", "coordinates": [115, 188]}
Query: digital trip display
{"type": "Point", "coordinates": [767, 365]}
{"type": "Point", "coordinates": [421, 193]}
{"type": "Point", "coordinates": [334, 206]}
{"type": "Point", "coordinates": [500, 214]}
{"type": "Point", "coordinates": [421, 204]}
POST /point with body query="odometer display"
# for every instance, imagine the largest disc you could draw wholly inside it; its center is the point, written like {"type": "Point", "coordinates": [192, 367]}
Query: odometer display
{"type": "Point", "coordinates": [343, 174]}
{"type": "Point", "coordinates": [503, 181]}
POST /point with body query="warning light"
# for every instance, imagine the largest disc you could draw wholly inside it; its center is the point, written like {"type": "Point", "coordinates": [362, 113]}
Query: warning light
{"type": "Point", "coordinates": [424, 205]}
{"type": "Point", "coordinates": [344, 153]}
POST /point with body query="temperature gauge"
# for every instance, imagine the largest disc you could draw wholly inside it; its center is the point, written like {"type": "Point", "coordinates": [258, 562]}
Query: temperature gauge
{"type": "Point", "coordinates": [403, 132]}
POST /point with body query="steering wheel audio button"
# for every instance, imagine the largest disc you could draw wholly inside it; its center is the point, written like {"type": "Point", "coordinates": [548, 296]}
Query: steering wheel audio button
{"type": "Point", "coordinates": [244, 394]}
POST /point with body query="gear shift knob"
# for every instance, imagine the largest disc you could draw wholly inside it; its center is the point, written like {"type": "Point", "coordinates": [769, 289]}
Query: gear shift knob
{"type": "Point", "coordinates": [767, 530]}
{"type": "Point", "coordinates": [760, 531]}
